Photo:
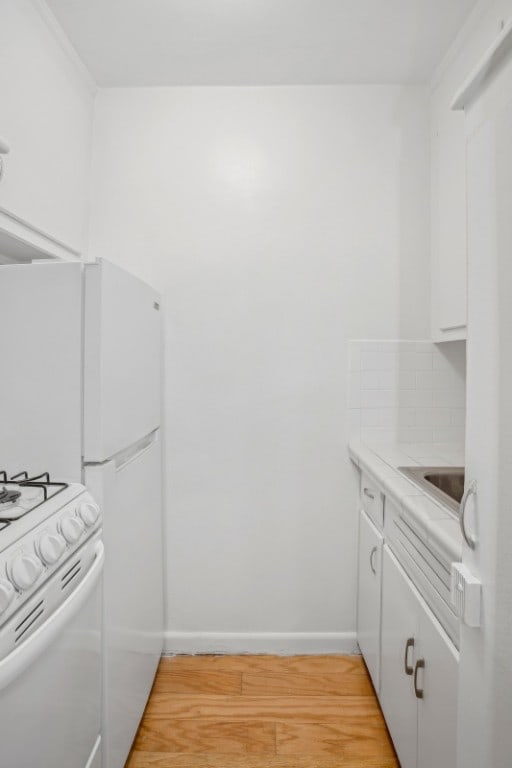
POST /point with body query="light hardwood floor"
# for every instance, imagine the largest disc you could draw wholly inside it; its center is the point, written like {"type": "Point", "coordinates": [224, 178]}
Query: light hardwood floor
{"type": "Point", "coordinates": [262, 712]}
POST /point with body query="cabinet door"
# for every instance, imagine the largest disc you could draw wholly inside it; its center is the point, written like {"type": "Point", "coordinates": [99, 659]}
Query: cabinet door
{"type": "Point", "coordinates": [46, 119]}
{"type": "Point", "coordinates": [437, 710]}
{"type": "Point", "coordinates": [449, 250]}
{"type": "Point", "coordinates": [369, 595]}
{"type": "Point", "coordinates": [400, 629]}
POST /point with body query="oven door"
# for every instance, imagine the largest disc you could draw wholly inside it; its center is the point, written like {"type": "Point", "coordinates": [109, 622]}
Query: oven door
{"type": "Point", "coordinates": [50, 685]}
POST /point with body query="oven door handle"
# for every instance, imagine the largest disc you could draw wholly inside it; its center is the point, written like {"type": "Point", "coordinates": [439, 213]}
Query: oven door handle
{"type": "Point", "coordinates": [26, 653]}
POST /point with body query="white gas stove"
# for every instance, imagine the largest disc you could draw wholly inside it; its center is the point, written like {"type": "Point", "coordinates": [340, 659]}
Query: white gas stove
{"type": "Point", "coordinates": [42, 524]}
{"type": "Point", "coordinates": [51, 562]}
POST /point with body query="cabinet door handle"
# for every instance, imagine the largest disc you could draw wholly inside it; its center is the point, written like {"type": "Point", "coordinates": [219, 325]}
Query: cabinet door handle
{"type": "Point", "coordinates": [367, 493]}
{"type": "Point", "coordinates": [420, 664]}
{"type": "Point", "coordinates": [372, 554]}
{"type": "Point", "coordinates": [409, 644]}
{"type": "Point", "coordinates": [470, 491]}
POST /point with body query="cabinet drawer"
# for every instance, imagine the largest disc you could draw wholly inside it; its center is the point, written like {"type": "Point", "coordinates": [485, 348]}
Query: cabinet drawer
{"type": "Point", "coordinates": [372, 501]}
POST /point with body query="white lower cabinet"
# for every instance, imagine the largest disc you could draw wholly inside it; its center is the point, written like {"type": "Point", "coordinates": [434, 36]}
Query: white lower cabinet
{"type": "Point", "coordinates": [369, 596]}
{"type": "Point", "coordinates": [400, 631]}
{"type": "Point", "coordinates": [419, 667]}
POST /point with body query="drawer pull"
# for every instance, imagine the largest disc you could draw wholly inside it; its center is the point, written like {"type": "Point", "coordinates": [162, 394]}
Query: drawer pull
{"type": "Point", "coordinates": [420, 664]}
{"type": "Point", "coordinates": [372, 554]}
{"type": "Point", "coordinates": [409, 644]}
{"type": "Point", "coordinates": [368, 493]}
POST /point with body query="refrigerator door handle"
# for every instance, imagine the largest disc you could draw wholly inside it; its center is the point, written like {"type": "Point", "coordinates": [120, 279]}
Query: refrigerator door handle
{"type": "Point", "coordinates": [121, 460]}
{"type": "Point", "coordinates": [468, 538]}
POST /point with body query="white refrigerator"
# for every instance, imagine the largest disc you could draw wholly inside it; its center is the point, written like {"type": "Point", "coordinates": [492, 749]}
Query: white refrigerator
{"type": "Point", "coordinates": [80, 388]}
{"type": "Point", "coordinates": [122, 469]}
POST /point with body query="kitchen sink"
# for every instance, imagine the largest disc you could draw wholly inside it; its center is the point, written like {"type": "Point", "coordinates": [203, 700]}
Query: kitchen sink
{"type": "Point", "coordinates": [444, 484]}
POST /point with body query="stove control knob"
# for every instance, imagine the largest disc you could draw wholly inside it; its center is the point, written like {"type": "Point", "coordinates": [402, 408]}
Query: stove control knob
{"type": "Point", "coordinates": [6, 594]}
{"type": "Point", "coordinates": [50, 547]}
{"type": "Point", "coordinates": [71, 528]}
{"type": "Point", "coordinates": [89, 513]}
{"type": "Point", "coordinates": [25, 571]}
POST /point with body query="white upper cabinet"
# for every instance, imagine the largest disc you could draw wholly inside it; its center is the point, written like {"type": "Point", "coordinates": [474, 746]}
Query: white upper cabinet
{"type": "Point", "coordinates": [448, 210]}
{"type": "Point", "coordinates": [46, 106]}
{"type": "Point", "coordinates": [449, 217]}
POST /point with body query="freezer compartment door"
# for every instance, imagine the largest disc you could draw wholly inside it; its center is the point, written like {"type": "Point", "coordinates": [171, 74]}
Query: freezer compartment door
{"type": "Point", "coordinates": [122, 355]}
{"type": "Point", "coordinates": [128, 489]}
{"type": "Point", "coordinates": [41, 376]}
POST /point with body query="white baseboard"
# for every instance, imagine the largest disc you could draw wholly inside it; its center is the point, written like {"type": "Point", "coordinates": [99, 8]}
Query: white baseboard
{"type": "Point", "coordinates": [279, 643]}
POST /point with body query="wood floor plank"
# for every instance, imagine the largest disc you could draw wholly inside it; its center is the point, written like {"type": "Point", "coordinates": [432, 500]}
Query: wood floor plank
{"type": "Point", "coordinates": [262, 712]}
{"type": "Point", "coordinates": [296, 684]}
{"type": "Point", "coordinates": [166, 760]}
{"type": "Point", "coordinates": [176, 681]}
{"type": "Point", "coordinates": [211, 737]}
{"type": "Point", "coordinates": [263, 708]}
{"type": "Point", "coordinates": [354, 738]}
{"type": "Point", "coordinates": [332, 664]}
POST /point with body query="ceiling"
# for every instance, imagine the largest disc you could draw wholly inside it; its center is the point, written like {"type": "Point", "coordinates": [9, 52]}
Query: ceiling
{"type": "Point", "coordinates": [260, 42]}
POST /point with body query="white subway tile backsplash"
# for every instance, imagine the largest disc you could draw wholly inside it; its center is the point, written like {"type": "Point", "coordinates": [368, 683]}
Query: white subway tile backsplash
{"type": "Point", "coordinates": [406, 380]}
{"type": "Point", "coordinates": [378, 398]}
{"type": "Point", "coordinates": [414, 435]}
{"type": "Point", "coordinates": [384, 418]}
{"type": "Point", "coordinates": [449, 435]}
{"type": "Point", "coordinates": [376, 360]}
{"type": "Point", "coordinates": [406, 417]}
{"type": "Point", "coordinates": [406, 390]}
{"type": "Point", "coordinates": [376, 436]}
{"type": "Point", "coordinates": [424, 380]}
{"type": "Point", "coordinates": [433, 417]}
{"type": "Point", "coordinates": [424, 398]}
{"type": "Point", "coordinates": [407, 359]}
{"type": "Point", "coordinates": [446, 380]}
{"type": "Point", "coordinates": [407, 398]}
{"type": "Point", "coordinates": [449, 398]}
{"type": "Point", "coordinates": [423, 361]}
{"type": "Point", "coordinates": [458, 417]}
{"type": "Point", "coordinates": [371, 380]}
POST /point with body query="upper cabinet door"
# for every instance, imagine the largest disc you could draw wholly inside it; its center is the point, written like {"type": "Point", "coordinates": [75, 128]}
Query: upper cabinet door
{"type": "Point", "coordinates": [122, 360]}
{"type": "Point", "coordinates": [45, 119]}
{"type": "Point", "coordinates": [448, 210]}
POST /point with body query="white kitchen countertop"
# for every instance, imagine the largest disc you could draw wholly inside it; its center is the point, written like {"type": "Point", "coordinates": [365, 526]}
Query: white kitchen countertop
{"type": "Point", "coordinates": [432, 521]}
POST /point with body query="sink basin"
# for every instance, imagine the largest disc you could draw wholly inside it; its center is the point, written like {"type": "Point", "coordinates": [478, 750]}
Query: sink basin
{"type": "Point", "coordinates": [444, 484]}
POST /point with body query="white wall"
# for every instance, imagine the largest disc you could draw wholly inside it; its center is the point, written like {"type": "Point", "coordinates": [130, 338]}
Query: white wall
{"type": "Point", "coordinates": [278, 223]}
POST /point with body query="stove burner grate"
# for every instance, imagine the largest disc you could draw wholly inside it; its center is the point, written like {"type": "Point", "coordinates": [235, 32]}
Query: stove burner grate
{"type": "Point", "coordinates": [22, 480]}
{"type": "Point", "coordinates": [7, 497]}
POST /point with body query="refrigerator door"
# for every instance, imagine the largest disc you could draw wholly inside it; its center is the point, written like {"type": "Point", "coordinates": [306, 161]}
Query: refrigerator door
{"type": "Point", "coordinates": [41, 378]}
{"type": "Point", "coordinates": [122, 352]}
{"type": "Point", "coordinates": [128, 488]}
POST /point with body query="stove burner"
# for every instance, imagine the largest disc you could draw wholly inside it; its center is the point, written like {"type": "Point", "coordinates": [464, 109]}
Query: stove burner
{"type": "Point", "coordinates": [28, 493]}
{"type": "Point", "coordinates": [7, 497]}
